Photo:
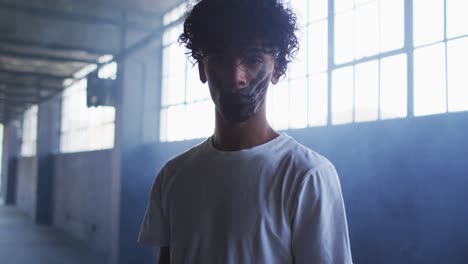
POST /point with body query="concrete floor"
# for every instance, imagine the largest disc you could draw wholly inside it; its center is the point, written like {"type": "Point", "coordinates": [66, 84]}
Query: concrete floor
{"type": "Point", "coordinates": [22, 242]}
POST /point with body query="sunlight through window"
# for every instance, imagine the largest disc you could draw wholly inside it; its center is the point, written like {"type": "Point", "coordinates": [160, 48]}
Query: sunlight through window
{"type": "Point", "coordinates": [429, 80]}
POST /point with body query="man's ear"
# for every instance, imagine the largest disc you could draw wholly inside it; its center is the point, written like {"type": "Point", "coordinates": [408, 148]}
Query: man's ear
{"type": "Point", "coordinates": [275, 76]}
{"type": "Point", "coordinates": [201, 72]}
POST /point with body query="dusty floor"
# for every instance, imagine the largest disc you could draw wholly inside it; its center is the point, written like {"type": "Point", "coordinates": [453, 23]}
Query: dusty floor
{"type": "Point", "coordinates": [23, 242]}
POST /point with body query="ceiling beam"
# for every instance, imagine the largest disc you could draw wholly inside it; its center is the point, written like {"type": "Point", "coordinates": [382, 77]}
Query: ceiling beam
{"type": "Point", "coordinates": [54, 46]}
{"type": "Point", "coordinates": [15, 108]}
{"type": "Point", "coordinates": [11, 110]}
{"type": "Point", "coordinates": [21, 100]}
{"type": "Point", "coordinates": [23, 55]}
{"type": "Point", "coordinates": [73, 17]}
{"type": "Point", "coordinates": [16, 93]}
{"type": "Point", "coordinates": [26, 86]}
{"type": "Point", "coordinates": [15, 112]}
{"type": "Point", "coordinates": [34, 74]}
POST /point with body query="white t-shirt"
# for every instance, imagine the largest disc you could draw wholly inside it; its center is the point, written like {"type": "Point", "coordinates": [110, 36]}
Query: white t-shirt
{"type": "Point", "coordinates": [278, 202]}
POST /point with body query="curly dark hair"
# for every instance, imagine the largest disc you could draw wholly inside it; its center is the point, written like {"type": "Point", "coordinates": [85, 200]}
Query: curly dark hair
{"type": "Point", "coordinates": [214, 25]}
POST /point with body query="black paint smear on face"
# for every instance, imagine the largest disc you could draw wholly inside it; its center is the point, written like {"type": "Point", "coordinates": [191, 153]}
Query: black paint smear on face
{"type": "Point", "coordinates": [241, 106]}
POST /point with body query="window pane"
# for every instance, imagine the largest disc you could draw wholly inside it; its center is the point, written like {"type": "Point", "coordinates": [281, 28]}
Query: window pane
{"type": "Point", "coordinates": [457, 74]}
{"type": "Point", "coordinates": [318, 9]}
{"type": "Point", "coordinates": [318, 100]}
{"type": "Point", "coordinates": [176, 80]}
{"type": "Point", "coordinates": [428, 21]}
{"type": "Point", "coordinates": [176, 121]}
{"type": "Point", "coordinates": [168, 38]}
{"type": "Point", "coordinates": [342, 95]}
{"type": "Point", "coordinates": [79, 139]}
{"type": "Point", "coordinates": [269, 104]}
{"type": "Point", "coordinates": [300, 9]}
{"type": "Point", "coordinates": [176, 89]}
{"type": "Point", "coordinates": [166, 61]}
{"type": "Point", "coordinates": [366, 91]}
{"type": "Point", "coordinates": [196, 90]}
{"type": "Point", "coordinates": [163, 125]}
{"type": "Point", "coordinates": [457, 19]}
{"type": "Point", "coordinates": [108, 132]}
{"type": "Point", "coordinates": [95, 138]}
{"type": "Point", "coordinates": [175, 33]}
{"type": "Point", "coordinates": [429, 80]}
{"type": "Point", "coordinates": [298, 68]}
{"type": "Point", "coordinates": [281, 105]}
{"type": "Point", "coordinates": [362, 2]}
{"type": "Point", "coordinates": [108, 71]}
{"type": "Point", "coordinates": [29, 131]}
{"type": "Point", "coordinates": [174, 14]}
{"type": "Point", "coordinates": [393, 87]}
{"type": "Point", "coordinates": [391, 25]}
{"type": "Point", "coordinates": [367, 30]}
{"type": "Point", "coordinates": [165, 91]}
{"type": "Point", "coordinates": [298, 103]}
{"type": "Point", "coordinates": [184, 97]}
{"type": "Point", "coordinates": [344, 37]}
{"type": "Point", "coordinates": [318, 46]}
{"type": "Point", "coordinates": [176, 59]}
{"type": "Point", "coordinates": [81, 127]}
{"type": "Point", "coordinates": [200, 119]}
{"type": "Point", "coordinates": [342, 5]}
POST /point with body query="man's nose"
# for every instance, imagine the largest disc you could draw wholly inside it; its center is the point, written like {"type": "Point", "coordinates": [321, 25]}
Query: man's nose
{"type": "Point", "coordinates": [238, 75]}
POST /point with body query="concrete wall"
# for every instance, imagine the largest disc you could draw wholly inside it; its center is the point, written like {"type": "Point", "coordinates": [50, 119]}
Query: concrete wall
{"type": "Point", "coordinates": [404, 183]}
{"type": "Point", "coordinates": [26, 185]}
{"type": "Point", "coordinates": [10, 152]}
{"type": "Point", "coordinates": [82, 196]}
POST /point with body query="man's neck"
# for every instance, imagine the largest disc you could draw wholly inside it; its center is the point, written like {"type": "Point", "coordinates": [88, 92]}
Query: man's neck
{"type": "Point", "coordinates": [230, 136]}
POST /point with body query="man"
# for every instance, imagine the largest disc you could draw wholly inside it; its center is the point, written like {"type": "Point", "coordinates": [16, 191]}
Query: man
{"type": "Point", "coordinates": [247, 194]}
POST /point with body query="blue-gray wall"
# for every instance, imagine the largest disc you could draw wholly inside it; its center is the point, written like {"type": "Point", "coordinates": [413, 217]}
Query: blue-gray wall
{"type": "Point", "coordinates": [405, 185]}
{"type": "Point", "coordinates": [26, 185]}
{"type": "Point", "coordinates": [81, 196]}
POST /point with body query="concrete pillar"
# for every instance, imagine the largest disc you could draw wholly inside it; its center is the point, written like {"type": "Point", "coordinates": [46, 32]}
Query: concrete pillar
{"type": "Point", "coordinates": [48, 140]}
{"type": "Point", "coordinates": [11, 150]}
{"type": "Point", "coordinates": [137, 123]}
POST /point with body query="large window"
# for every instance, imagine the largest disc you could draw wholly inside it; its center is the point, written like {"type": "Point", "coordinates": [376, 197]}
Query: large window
{"type": "Point", "coordinates": [360, 61]}
{"type": "Point", "coordinates": [83, 128]}
{"type": "Point", "coordinates": [187, 111]}
{"type": "Point", "coordinates": [368, 69]}
{"type": "Point", "coordinates": [300, 99]}
{"type": "Point", "coordinates": [29, 132]}
{"type": "Point", "coordinates": [440, 56]}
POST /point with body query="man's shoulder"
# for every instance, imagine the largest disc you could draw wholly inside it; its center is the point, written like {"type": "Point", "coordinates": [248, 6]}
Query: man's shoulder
{"type": "Point", "coordinates": [304, 157]}
{"type": "Point", "coordinates": [183, 158]}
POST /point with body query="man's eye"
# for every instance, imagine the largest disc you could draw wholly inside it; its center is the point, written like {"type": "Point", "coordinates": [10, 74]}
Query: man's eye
{"type": "Point", "coordinates": [253, 61]}
{"type": "Point", "coordinates": [217, 59]}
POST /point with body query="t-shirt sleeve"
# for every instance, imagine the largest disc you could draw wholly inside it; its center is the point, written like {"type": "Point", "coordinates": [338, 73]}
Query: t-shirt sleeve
{"type": "Point", "coordinates": [154, 229]}
{"type": "Point", "coordinates": [319, 227]}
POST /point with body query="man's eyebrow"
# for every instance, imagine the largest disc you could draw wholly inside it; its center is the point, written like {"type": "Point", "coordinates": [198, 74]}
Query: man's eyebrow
{"type": "Point", "coordinates": [258, 50]}
{"type": "Point", "coordinates": [254, 49]}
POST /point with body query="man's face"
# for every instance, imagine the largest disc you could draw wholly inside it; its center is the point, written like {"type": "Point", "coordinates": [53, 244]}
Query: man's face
{"type": "Point", "coordinates": [238, 80]}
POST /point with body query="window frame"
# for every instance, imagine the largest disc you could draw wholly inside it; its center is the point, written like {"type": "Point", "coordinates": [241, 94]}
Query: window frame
{"type": "Point", "coordinates": [407, 49]}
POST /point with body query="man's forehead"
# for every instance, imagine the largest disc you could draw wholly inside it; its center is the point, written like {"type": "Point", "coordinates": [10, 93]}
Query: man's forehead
{"type": "Point", "coordinates": [242, 50]}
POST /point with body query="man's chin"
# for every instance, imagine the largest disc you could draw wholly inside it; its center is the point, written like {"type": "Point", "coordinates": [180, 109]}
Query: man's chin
{"type": "Point", "coordinates": [237, 119]}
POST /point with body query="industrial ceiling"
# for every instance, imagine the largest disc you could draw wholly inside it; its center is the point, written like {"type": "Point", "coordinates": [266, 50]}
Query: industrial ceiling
{"type": "Point", "coordinates": [45, 42]}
